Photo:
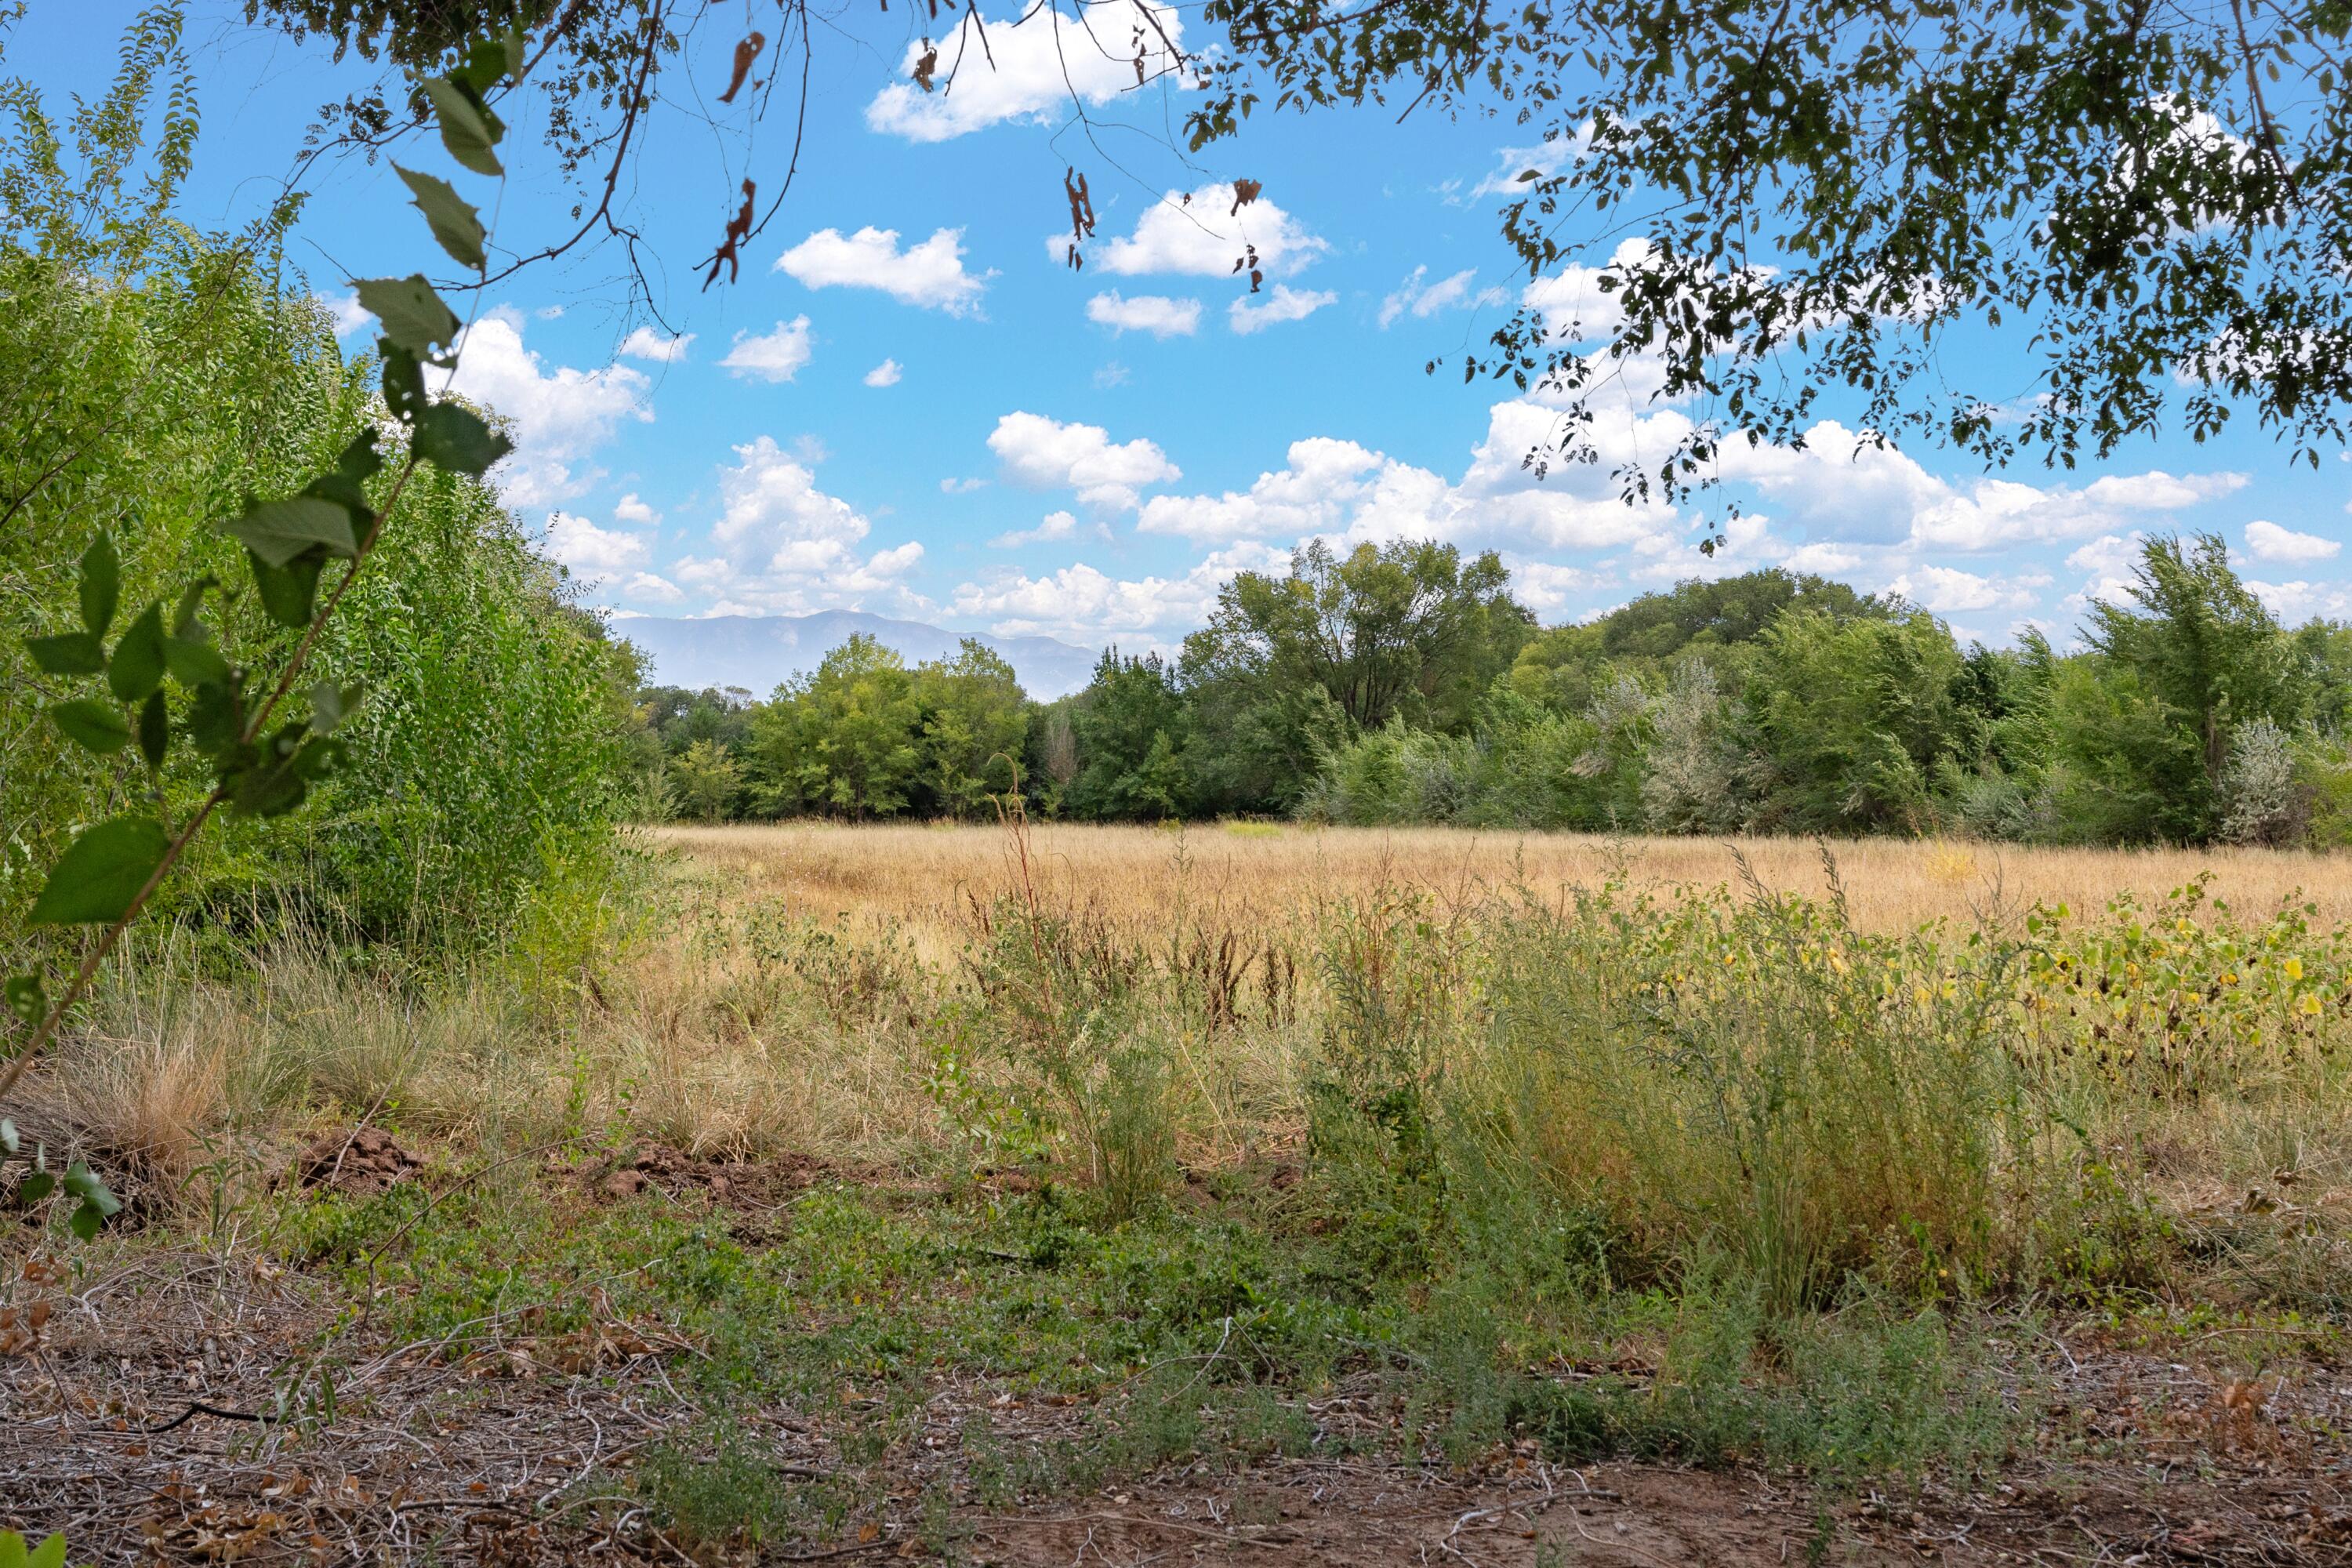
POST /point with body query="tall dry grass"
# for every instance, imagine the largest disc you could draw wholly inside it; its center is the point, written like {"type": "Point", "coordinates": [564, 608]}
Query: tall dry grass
{"type": "Point", "coordinates": [1799, 1084]}
{"type": "Point", "coordinates": [1259, 874]}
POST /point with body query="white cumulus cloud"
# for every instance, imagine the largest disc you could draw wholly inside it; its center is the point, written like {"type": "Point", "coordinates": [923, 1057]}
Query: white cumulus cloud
{"type": "Point", "coordinates": [2157, 490]}
{"type": "Point", "coordinates": [2300, 601]}
{"type": "Point", "coordinates": [350, 315]}
{"type": "Point", "coordinates": [1947, 589]}
{"type": "Point", "coordinates": [647, 343]}
{"type": "Point", "coordinates": [1033, 64]}
{"type": "Point", "coordinates": [783, 546]}
{"type": "Point", "coordinates": [930, 274]}
{"type": "Point", "coordinates": [774, 356]}
{"type": "Point", "coordinates": [2268, 542]}
{"type": "Point", "coordinates": [1057, 527]}
{"type": "Point", "coordinates": [1419, 298]}
{"type": "Point", "coordinates": [1046, 454]}
{"type": "Point", "coordinates": [1544, 159]}
{"type": "Point", "coordinates": [1083, 603]}
{"type": "Point", "coordinates": [653, 588]}
{"type": "Point", "coordinates": [1314, 494]}
{"type": "Point", "coordinates": [884, 375]}
{"type": "Point", "coordinates": [1285, 304]}
{"type": "Point", "coordinates": [594, 555]}
{"type": "Point", "coordinates": [1155, 313]}
{"type": "Point", "coordinates": [561, 416]}
{"type": "Point", "coordinates": [1200, 233]}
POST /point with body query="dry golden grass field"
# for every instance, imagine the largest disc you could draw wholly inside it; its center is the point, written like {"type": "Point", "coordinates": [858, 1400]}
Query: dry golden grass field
{"type": "Point", "coordinates": [1256, 872]}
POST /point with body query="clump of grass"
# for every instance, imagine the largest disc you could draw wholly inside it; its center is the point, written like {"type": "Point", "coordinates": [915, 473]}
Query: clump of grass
{"type": "Point", "coordinates": [1745, 1080]}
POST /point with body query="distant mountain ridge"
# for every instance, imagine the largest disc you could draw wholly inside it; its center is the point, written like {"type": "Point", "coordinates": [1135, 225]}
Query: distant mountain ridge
{"type": "Point", "coordinates": [757, 652]}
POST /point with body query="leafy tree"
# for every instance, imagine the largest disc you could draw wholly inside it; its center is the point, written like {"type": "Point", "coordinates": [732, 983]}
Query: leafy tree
{"type": "Point", "coordinates": [1053, 756]}
{"type": "Point", "coordinates": [1852, 719]}
{"type": "Point", "coordinates": [193, 687]}
{"type": "Point", "coordinates": [1131, 727]}
{"type": "Point", "coordinates": [1288, 666]}
{"type": "Point", "coordinates": [1821, 201]}
{"type": "Point", "coordinates": [975, 728]}
{"type": "Point", "coordinates": [2144, 724]}
{"type": "Point", "coordinates": [678, 718]}
{"type": "Point", "coordinates": [706, 778]}
{"type": "Point", "coordinates": [2201, 643]}
{"type": "Point", "coordinates": [845, 738]}
{"type": "Point", "coordinates": [2324, 648]}
{"type": "Point", "coordinates": [1565, 664]}
{"type": "Point", "coordinates": [183, 374]}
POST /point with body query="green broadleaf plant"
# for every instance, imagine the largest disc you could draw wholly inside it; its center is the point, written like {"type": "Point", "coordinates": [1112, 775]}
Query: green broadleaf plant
{"type": "Point", "coordinates": [16, 1553]}
{"type": "Point", "coordinates": [456, 224]}
{"type": "Point", "coordinates": [109, 872]}
{"type": "Point", "coordinates": [101, 584]}
{"type": "Point", "coordinates": [92, 725]}
{"type": "Point", "coordinates": [104, 872]}
{"type": "Point", "coordinates": [413, 316]}
{"type": "Point", "coordinates": [135, 669]}
{"type": "Point", "coordinates": [453, 437]}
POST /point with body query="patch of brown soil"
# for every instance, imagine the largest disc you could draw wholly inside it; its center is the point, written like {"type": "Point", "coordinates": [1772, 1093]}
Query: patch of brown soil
{"type": "Point", "coordinates": [737, 1184]}
{"type": "Point", "coordinates": [146, 1429]}
{"type": "Point", "coordinates": [363, 1161]}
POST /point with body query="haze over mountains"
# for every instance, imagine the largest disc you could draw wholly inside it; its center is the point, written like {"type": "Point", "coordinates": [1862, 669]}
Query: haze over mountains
{"type": "Point", "coordinates": [756, 652]}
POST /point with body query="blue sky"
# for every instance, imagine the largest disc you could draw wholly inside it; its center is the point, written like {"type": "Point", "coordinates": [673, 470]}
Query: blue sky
{"type": "Point", "coordinates": [910, 405]}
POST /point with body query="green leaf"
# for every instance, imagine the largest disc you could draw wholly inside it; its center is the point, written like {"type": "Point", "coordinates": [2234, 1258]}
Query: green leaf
{"type": "Point", "coordinates": [49, 1554]}
{"type": "Point", "coordinates": [287, 591]}
{"type": "Point", "coordinates": [413, 315]}
{"type": "Point", "coordinates": [404, 381]}
{"type": "Point", "coordinates": [192, 599]}
{"type": "Point", "coordinates": [278, 531]}
{"type": "Point", "coordinates": [86, 1221]}
{"type": "Point", "coordinates": [361, 461]}
{"type": "Point", "coordinates": [193, 660]}
{"type": "Point", "coordinates": [12, 1550]}
{"type": "Point", "coordinates": [453, 437]}
{"type": "Point", "coordinates": [32, 1190]}
{"type": "Point", "coordinates": [68, 652]}
{"type": "Point", "coordinates": [217, 718]}
{"type": "Point", "coordinates": [100, 872]}
{"type": "Point", "coordinates": [154, 729]}
{"type": "Point", "coordinates": [102, 583]}
{"type": "Point", "coordinates": [332, 704]}
{"type": "Point", "coordinates": [468, 129]}
{"type": "Point", "coordinates": [487, 63]}
{"type": "Point", "coordinates": [268, 792]}
{"type": "Point", "coordinates": [93, 725]}
{"type": "Point", "coordinates": [84, 1184]}
{"type": "Point", "coordinates": [30, 1004]}
{"type": "Point", "coordinates": [136, 668]}
{"type": "Point", "coordinates": [343, 491]}
{"type": "Point", "coordinates": [319, 757]}
{"type": "Point", "coordinates": [455, 224]}
{"type": "Point", "coordinates": [276, 780]}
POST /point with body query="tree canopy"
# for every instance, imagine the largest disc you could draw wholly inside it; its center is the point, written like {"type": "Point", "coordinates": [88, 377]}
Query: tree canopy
{"type": "Point", "coordinates": [1773, 206]}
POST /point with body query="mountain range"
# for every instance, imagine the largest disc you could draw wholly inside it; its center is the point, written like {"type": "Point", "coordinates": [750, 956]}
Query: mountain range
{"type": "Point", "coordinates": [757, 652]}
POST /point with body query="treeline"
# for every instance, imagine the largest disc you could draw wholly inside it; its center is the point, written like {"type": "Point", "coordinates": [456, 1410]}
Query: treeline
{"type": "Point", "coordinates": [1288, 670]}
{"type": "Point", "coordinates": [1402, 684]}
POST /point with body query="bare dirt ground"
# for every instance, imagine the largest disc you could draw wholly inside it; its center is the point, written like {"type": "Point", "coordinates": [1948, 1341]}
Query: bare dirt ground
{"type": "Point", "coordinates": [179, 1408]}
